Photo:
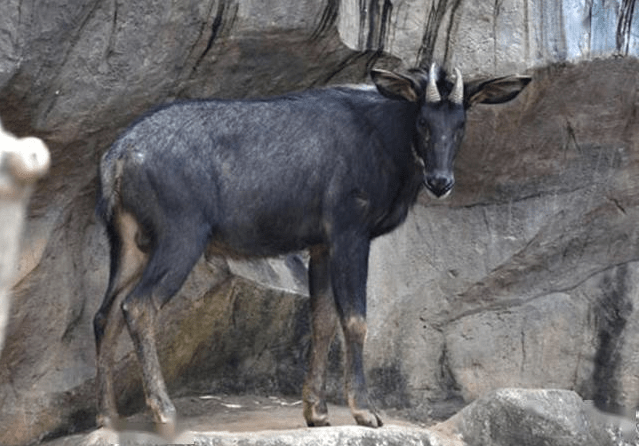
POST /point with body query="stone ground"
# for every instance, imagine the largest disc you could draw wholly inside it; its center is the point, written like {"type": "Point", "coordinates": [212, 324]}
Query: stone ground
{"type": "Point", "coordinates": [505, 417]}
{"type": "Point", "coordinates": [232, 414]}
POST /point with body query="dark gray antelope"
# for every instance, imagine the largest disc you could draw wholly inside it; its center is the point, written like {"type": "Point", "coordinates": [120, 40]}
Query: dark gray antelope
{"type": "Point", "coordinates": [326, 170]}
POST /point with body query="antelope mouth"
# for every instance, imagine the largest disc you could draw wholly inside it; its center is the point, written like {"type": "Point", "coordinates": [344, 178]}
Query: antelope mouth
{"type": "Point", "coordinates": [439, 187]}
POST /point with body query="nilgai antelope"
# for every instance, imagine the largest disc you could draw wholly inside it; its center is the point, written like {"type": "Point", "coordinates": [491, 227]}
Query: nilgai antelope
{"type": "Point", "coordinates": [326, 170]}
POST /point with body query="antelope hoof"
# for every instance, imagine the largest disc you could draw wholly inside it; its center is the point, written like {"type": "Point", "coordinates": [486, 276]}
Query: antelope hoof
{"type": "Point", "coordinates": [316, 415]}
{"type": "Point", "coordinates": [165, 417]}
{"type": "Point", "coordinates": [367, 418]}
{"type": "Point", "coordinates": [109, 421]}
{"type": "Point", "coordinates": [166, 429]}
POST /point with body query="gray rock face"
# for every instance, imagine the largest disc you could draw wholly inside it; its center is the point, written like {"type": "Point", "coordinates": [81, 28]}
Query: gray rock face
{"type": "Point", "coordinates": [526, 277]}
{"type": "Point", "coordinates": [529, 269]}
{"type": "Point", "coordinates": [491, 37]}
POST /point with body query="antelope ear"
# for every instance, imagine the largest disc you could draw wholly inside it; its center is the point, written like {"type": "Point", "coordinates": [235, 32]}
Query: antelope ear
{"type": "Point", "coordinates": [396, 86]}
{"type": "Point", "coordinates": [494, 91]}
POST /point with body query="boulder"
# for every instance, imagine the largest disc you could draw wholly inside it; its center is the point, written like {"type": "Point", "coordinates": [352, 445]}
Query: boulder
{"type": "Point", "coordinates": [530, 417]}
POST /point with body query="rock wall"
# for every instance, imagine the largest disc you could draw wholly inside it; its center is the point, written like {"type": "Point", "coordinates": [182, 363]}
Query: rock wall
{"type": "Point", "coordinates": [491, 37]}
{"type": "Point", "coordinates": [526, 277]}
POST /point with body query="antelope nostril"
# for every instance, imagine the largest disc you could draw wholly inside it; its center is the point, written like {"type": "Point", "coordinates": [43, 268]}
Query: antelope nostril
{"type": "Point", "coordinates": [439, 185]}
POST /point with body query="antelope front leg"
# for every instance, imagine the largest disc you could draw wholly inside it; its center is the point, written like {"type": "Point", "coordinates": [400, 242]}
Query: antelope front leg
{"type": "Point", "coordinates": [354, 328]}
{"type": "Point", "coordinates": [349, 269]}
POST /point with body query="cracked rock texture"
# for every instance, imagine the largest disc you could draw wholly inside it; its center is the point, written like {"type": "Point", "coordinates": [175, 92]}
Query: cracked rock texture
{"type": "Point", "coordinates": [526, 277]}
{"type": "Point", "coordinates": [491, 36]}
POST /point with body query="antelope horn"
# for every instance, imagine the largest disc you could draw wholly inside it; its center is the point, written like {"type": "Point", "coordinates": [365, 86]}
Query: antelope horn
{"type": "Point", "coordinates": [432, 93]}
{"type": "Point", "coordinates": [457, 95]}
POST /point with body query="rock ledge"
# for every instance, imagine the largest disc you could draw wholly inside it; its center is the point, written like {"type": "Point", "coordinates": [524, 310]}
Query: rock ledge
{"type": "Point", "coordinates": [505, 417]}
